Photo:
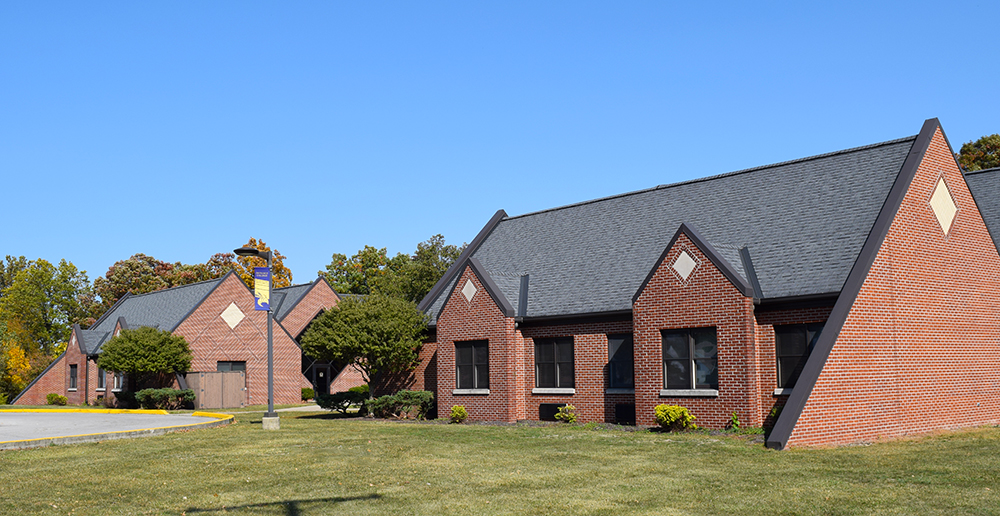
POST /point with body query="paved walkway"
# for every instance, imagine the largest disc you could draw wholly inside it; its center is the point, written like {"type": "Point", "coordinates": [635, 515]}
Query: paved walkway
{"type": "Point", "coordinates": [29, 429]}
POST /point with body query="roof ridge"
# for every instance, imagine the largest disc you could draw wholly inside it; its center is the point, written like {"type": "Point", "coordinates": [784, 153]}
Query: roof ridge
{"type": "Point", "coordinates": [179, 286]}
{"type": "Point", "coordinates": [720, 176]}
{"type": "Point", "coordinates": [973, 172]}
{"type": "Point", "coordinates": [296, 285]}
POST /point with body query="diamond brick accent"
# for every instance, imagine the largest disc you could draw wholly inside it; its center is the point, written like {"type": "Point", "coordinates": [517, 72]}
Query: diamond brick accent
{"type": "Point", "coordinates": [943, 206]}
{"type": "Point", "coordinates": [684, 265]}
{"type": "Point", "coordinates": [469, 290]}
{"type": "Point", "coordinates": [232, 315]}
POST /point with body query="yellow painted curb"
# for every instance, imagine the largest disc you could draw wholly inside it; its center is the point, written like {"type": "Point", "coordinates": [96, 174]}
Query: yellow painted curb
{"type": "Point", "coordinates": [213, 414]}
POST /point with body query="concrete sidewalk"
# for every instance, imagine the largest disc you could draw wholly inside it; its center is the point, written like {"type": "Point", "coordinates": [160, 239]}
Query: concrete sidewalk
{"type": "Point", "coordinates": [26, 429]}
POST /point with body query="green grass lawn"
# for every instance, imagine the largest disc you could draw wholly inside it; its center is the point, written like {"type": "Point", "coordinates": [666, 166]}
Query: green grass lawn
{"type": "Point", "coordinates": [318, 464]}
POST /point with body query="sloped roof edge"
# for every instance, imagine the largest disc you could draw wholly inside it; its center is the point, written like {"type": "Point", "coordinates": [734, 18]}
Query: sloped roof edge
{"type": "Point", "coordinates": [426, 302]}
{"type": "Point", "coordinates": [488, 283]}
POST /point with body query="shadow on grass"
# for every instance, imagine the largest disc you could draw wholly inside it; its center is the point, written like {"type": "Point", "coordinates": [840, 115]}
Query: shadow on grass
{"type": "Point", "coordinates": [291, 507]}
{"type": "Point", "coordinates": [330, 415]}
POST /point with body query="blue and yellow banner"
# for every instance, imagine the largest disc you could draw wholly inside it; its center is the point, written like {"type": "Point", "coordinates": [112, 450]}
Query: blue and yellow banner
{"type": "Point", "coordinates": [262, 288]}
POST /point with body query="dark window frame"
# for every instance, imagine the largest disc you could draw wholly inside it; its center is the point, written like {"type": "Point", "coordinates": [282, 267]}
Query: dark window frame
{"type": "Point", "coordinates": [621, 365]}
{"type": "Point", "coordinates": [558, 344]}
{"type": "Point", "coordinates": [73, 376]}
{"type": "Point", "coordinates": [689, 364]}
{"type": "Point", "coordinates": [476, 364]}
{"type": "Point", "coordinates": [784, 354]}
{"type": "Point", "coordinates": [102, 379]}
{"type": "Point", "coordinates": [230, 363]}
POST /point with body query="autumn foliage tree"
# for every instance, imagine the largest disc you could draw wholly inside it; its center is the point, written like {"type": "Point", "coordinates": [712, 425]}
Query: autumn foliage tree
{"type": "Point", "coordinates": [281, 276]}
{"type": "Point", "coordinates": [981, 154]}
{"type": "Point", "coordinates": [14, 366]}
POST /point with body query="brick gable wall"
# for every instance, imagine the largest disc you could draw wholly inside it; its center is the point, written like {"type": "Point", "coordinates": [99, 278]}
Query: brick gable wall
{"type": "Point", "coordinates": [54, 380]}
{"type": "Point", "coordinates": [705, 299]}
{"type": "Point", "coordinates": [919, 349]}
{"type": "Point", "coordinates": [320, 297]}
{"type": "Point", "coordinates": [212, 340]}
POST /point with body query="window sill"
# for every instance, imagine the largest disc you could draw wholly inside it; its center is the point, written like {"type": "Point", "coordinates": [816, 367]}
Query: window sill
{"type": "Point", "coordinates": [553, 390]}
{"type": "Point", "coordinates": [71, 390]}
{"type": "Point", "coordinates": [100, 389]}
{"type": "Point", "coordinates": [782, 392]}
{"type": "Point", "coordinates": [479, 392]}
{"type": "Point", "coordinates": [619, 391]}
{"type": "Point", "coordinates": [689, 393]}
{"type": "Point", "coordinates": [116, 390]}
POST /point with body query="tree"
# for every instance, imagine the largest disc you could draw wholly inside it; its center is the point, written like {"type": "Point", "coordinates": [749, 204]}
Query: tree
{"type": "Point", "coordinates": [43, 302]}
{"type": "Point", "coordinates": [981, 154]}
{"type": "Point", "coordinates": [377, 334]}
{"type": "Point", "coordinates": [10, 269]}
{"type": "Point", "coordinates": [139, 274]}
{"type": "Point", "coordinates": [369, 271]}
{"type": "Point", "coordinates": [147, 355]}
{"type": "Point", "coordinates": [15, 370]}
{"type": "Point", "coordinates": [281, 276]}
{"type": "Point", "coordinates": [428, 264]}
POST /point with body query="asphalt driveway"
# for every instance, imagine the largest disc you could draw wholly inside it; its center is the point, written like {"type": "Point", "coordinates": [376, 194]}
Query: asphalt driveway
{"type": "Point", "coordinates": [28, 429]}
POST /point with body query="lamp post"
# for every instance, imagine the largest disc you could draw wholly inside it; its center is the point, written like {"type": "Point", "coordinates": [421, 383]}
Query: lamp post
{"type": "Point", "coordinates": [270, 417]}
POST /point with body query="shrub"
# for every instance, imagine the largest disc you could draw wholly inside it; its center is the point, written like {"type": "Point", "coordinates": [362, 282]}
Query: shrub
{"type": "Point", "coordinates": [125, 399]}
{"type": "Point", "coordinates": [566, 414]}
{"type": "Point", "coordinates": [734, 422]}
{"type": "Point", "coordinates": [3, 398]}
{"type": "Point", "coordinates": [360, 389]}
{"type": "Point", "coordinates": [308, 394]}
{"type": "Point", "coordinates": [403, 405]}
{"type": "Point", "coordinates": [458, 414]}
{"type": "Point", "coordinates": [165, 399]}
{"type": "Point", "coordinates": [341, 401]}
{"type": "Point", "coordinates": [55, 399]}
{"type": "Point", "coordinates": [673, 417]}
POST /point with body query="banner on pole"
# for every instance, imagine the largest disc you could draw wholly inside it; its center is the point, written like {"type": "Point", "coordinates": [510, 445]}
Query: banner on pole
{"type": "Point", "coordinates": [262, 288]}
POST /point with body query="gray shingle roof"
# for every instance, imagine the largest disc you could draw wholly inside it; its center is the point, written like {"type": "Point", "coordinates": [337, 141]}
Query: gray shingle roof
{"type": "Point", "coordinates": [804, 223]}
{"type": "Point", "coordinates": [285, 298]}
{"type": "Point", "coordinates": [163, 309]}
{"type": "Point", "coordinates": [985, 187]}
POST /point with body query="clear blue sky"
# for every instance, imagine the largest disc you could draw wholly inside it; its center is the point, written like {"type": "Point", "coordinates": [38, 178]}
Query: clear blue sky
{"type": "Point", "coordinates": [180, 129]}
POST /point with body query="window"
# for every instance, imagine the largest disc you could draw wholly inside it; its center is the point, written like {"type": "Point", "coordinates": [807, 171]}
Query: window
{"type": "Point", "coordinates": [792, 345]}
{"type": "Point", "coordinates": [620, 371]}
{"type": "Point", "coordinates": [689, 359]}
{"type": "Point", "coordinates": [119, 382]}
{"type": "Point", "coordinates": [101, 379]}
{"type": "Point", "coordinates": [472, 364]}
{"type": "Point", "coordinates": [554, 363]}
{"type": "Point", "coordinates": [72, 377]}
{"type": "Point", "coordinates": [224, 367]}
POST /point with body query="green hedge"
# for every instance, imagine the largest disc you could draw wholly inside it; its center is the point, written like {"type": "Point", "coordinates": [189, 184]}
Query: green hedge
{"type": "Point", "coordinates": [165, 399]}
{"type": "Point", "coordinates": [403, 405]}
{"type": "Point", "coordinates": [55, 399]}
{"type": "Point", "coordinates": [341, 401]}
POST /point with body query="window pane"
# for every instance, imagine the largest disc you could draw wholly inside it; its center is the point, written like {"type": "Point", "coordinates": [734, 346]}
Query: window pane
{"type": "Point", "coordinates": [544, 352]}
{"type": "Point", "coordinates": [675, 345]}
{"type": "Point", "coordinates": [789, 369]}
{"type": "Point", "coordinates": [545, 375]}
{"type": "Point", "coordinates": [482, 377]}
{"type": "Point", "coordinates": [482, 354]}
{"type": "Point", "coordinates": [706, 374]}
{"type": "Point", "coordinates": [238, 366]}
{"type": "Point", "coordinates": [465, 378]}
{"type": "Point", "coordinates": [677, 374]}
{"type": "Point", "coordinates": [790, 340]}
{"type": "Point", "coordinates": [565, 350]}
{"type": "Point", "coordinates": [463, 354]}
{"type": "Point", "coordinates": [565, 374]}
{"type": "Point", "coordinates": [704, 344]}
{"type": "Point", "coordinates": [620, 370]}
{"type": "Point", "coordinates": [812, 334]}
{"type": "Point", "coordinates": [222, 366]}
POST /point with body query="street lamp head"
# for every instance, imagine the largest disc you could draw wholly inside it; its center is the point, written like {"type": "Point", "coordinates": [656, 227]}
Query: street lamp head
{"type": "Point", "coordinates": [247, 251]}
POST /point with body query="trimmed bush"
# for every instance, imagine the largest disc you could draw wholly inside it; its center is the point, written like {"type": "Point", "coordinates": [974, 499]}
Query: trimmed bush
{"type": "Point", "coordinates": [341, 401]}
{"type": "Point", "coordinates": [458, 414]}
{"type": "Point", "coordinates": [403, 405]}
{"type": "Point", "coordinates": [165, 399]}
{"type": "Point", "coordinates": [308, 394]}
{"type": "Point", "coordinates": [673, 417]}
{"type": "Point", "coordinates": [3, 398]}
{"type": "Point", "coordinates": [55, 399]}
{"type": "Point", "coordinates": [360, 389]}
{"type": "Point", "coordinates": [566, 414]}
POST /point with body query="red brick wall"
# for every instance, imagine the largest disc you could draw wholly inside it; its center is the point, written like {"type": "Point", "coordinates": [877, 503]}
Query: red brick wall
{"type": "Point", "coordinates": [705, 299]}
{"type": "Point", "coordinates": [347, 378]}
{"type": "Point", "coordinates": [919, 349]}
{"type": "Point", "coordinates": [212, 340]}
{"type": "Point", "coordinates": [53, 381]}
{"type": "Point", "coordinates": [320, 297]}
{"type": "Point", "coordinates": [479, 319]}
{"type": "Point", "coordinates": [767, 360]}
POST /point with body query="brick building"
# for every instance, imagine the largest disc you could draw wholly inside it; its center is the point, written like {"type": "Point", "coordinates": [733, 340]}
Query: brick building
{"type": "Point", "coordinates": [838, 298]}
{"type": "Point", "coordinates": [225, 333]}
